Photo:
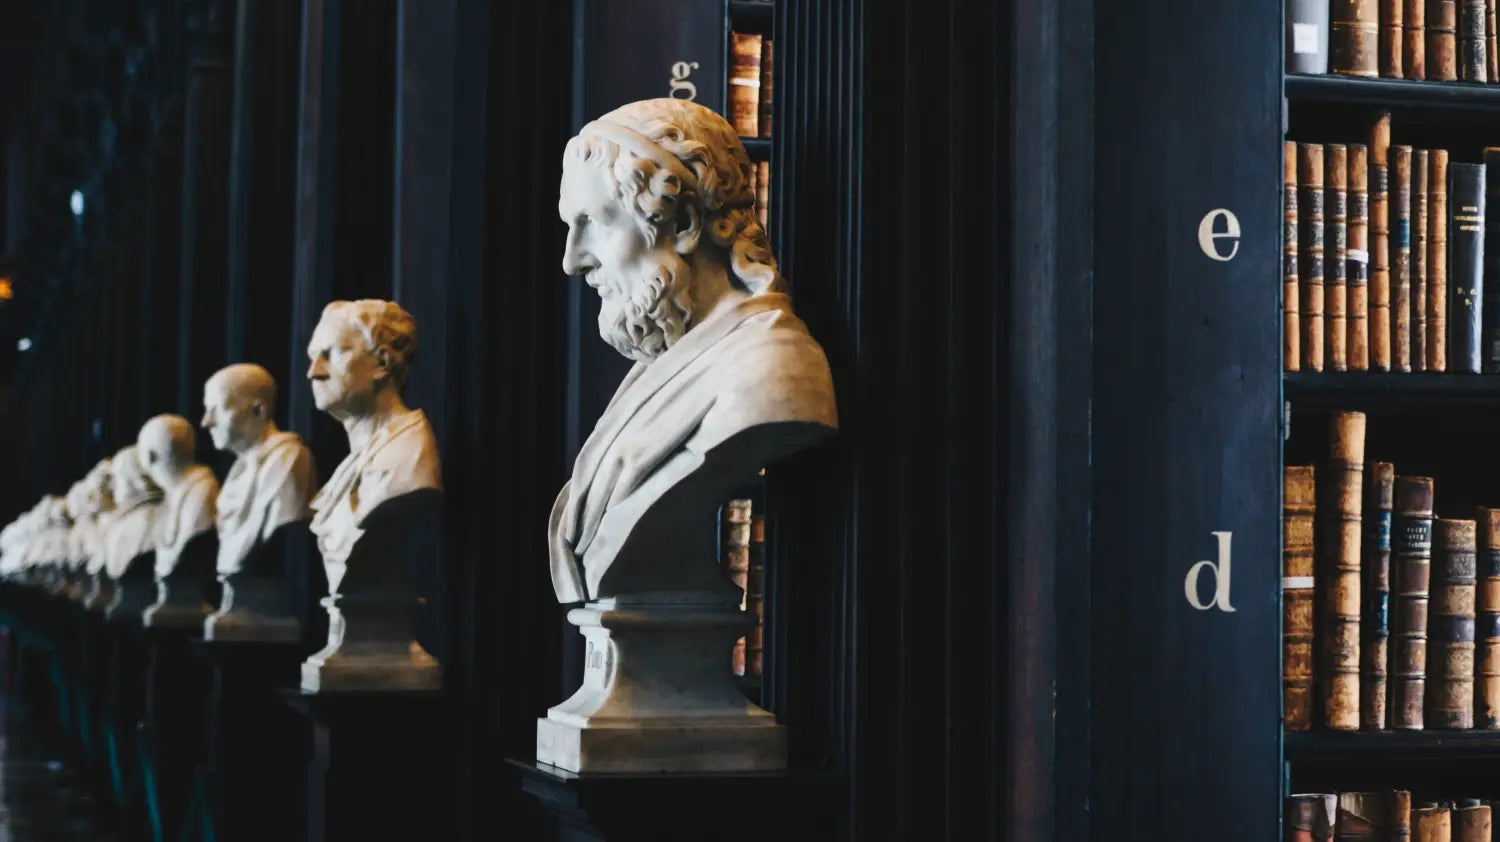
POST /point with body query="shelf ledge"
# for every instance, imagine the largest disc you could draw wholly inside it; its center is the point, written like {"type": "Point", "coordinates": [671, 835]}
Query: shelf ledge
{"type": "Point", "coordinates": [1397, 93]}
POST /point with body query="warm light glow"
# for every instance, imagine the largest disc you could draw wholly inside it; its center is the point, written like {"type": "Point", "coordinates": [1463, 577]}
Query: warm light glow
{"type": "Point", "coordinates": [23, 344]}
{"type": "Point", "coordinates": [6, 293]}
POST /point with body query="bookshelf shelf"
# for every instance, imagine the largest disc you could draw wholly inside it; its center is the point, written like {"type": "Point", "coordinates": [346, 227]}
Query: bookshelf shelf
{"type": "Point", "coordinates": [1318, 745]}
{"type": "Point", "coordinates": [753, 15]}
{"type": "Point", "coordinates": [1385, 390]}
{"type": "Point", "coordinates": [1392, 93]}
{"type": "Point", "coordinates": [758, 148]}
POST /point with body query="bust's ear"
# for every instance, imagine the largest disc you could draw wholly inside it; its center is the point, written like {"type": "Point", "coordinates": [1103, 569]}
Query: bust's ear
{"type": "Point", "coordinates": [257, 409]}
{"type": "Point", "coordinates": [689, 225]}
{"type": "Point", "coordinates": [383, 356]}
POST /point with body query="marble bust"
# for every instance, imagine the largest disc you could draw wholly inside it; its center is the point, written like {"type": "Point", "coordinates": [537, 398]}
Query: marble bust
{"type": "Point", "coordinates": [267, 490]}
{"type": "Point", "coordinates": [360, 355]}
{"type": "Point", "coordinates": [131, 532]}
{"type": "Point", "coordinates": [190, 491]}
{"type": "Point", "coordinates": [662, 224]}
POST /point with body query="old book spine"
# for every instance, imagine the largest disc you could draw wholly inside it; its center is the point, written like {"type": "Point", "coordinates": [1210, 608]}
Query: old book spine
{"type": "Point", "coordinates": [1357, 260]}
{"type": "Point", "coordinates": [1487, 620]}
{"type": "Point", "coordinates": [1450, 627]}
{"type": "Point", "coordinates": [1375, 595]}
{"type": "Point", "coordinates": [1492, 42]}
{"type": "Point", "coordinates": [744, 83]}
{"type": "Point", "coordinates": [1380, 243]}
{"type": "Point", "coordinates": [737, 562]}
{"type": "Point", "coordinates": [1310, 817]}
{"type": "Point", "coordinates": [1307, 35]}
{"type": "Point", "coordinates": [1419, 234]}
{"type": "Point", "coordinates": [1432, 822]}
{"type": "Point", "coordinates": [1442, 40]}
{"type": "Point", "coordinates": [1338, 589]}
{"type": "Point", "coordinates": [1310, 278]}
{"type": "Point", "coordinates": [1291, 328]}
{"type": "Point", "coordinates": [1391, 65]}
{"type": "Point", "coordinates": [1411, 558]}
{"type": "Point", "coordinates": [1414, 22]}
{"type": "Point", "coordinates": [1401, 168]}
{"type": "Point", "coordinates": [1437, 261]}
{"type": "Point", "coordinates": [1399, 803]}
{"type": "Point", "coordinates": [1335, 255]}
{"type": "Point", "coordinates": [1466, 231]}
{"type": "Point", "coordinates": [1489, 300]}
{"type": "Point", "coordinates": [1473, 46]}
{"type": "Point", "coordinates": [766, 79]}
{"type": "Point", "coordinates": [1471, 821]}
{"type": "Point", "coordinates": [1354, 37]}
{"type": "Point", "coordinates": [1299, 507]}
{"type": "Point", "coordinates": [755, 596]}
{"type": "Point", "coordinates": [1362, 817]}
{"type": "Point", "coordinates": [763, 194]}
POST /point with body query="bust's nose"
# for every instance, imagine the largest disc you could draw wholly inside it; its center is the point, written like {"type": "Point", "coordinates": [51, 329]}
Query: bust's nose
{"type": "Point", "coordinates": [576, 259]}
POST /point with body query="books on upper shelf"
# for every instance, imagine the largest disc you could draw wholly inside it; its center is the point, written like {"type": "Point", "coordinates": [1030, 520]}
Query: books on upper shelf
{"type": "Point", "coordinates": [750, 84]}
{"type": "Point", "coordinates": [1384, 261]}
{"type": "Point", "coordinates": [1391, 613]}
{"type": "Point", "coordinates": [1437, 40]}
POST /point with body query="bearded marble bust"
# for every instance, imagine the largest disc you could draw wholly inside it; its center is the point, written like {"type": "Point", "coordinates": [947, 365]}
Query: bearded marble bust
{"type": "Point", "coordinates": [131, 531]}
{"type": "Point", "coordinates": [662, 224]}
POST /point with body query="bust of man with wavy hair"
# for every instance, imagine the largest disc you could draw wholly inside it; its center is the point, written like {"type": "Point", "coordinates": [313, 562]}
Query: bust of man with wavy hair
{"type": "Point", "coordinates": [662, 224]}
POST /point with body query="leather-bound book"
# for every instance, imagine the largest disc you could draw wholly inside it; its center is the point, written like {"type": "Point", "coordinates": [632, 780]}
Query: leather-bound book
{"type": "Point", "coordinates": [1299, 507]}
{"type": "Point", "coordinates": [1335, 255]}
{"type": "Point", "coordinates": [1411, 558]}
{"type": "Point", "coordinates": [1442, 40]}
{"type": "Point", "coordinates": [1414, 23]}
{"type": "Point", "coordinates": [1450, 626]}
{"type": "Point", "coordinates": [1338, 586]}
{"type": "Point", "coordinates": [1471, 821]}
{"type": "Point", "coordinates": [1362, 817]}
{"type": "Point", "coordinates": [763, 194]}
{"type": "Point", "coordinates": [1375, 595]}
{"type": "Point", "coordinates": [1489, 343]}
{"type": "Point", "coordinates": [1473, 44]}
{"type": "Point", "coordinates": [1419, 234]}
{"type": "Point", "coordinates": [1307, 36]}
{"type": "Point", "coordinates": [766, 79]}
{"type": "Point", "coordinates": [755, 595]}
{"type": "Point", "coordinates": [736, 549]}
{"type": "Point", "coordinates": [744, 83]}
{"type": "Point", "coordinates": [1432, 822]}
{"type": "Point", "coordinates": [1310, 817]}
{"type": "Point", "coordinates": [1398, 801]}
{"type": "Point", "coordinates": [1380, 242]}
{"type": "Point", "coordinates": [1291, 327]}
{"type": "Point", "coordinates": [1354, 37]}
{"type": "Point", "coordinates": [1391, 65]}
{"type": "Point", "coordinates": [1437, 261]}
{"type": "Point", "coordinates": [1401, 167]}
{"type": "Point", "coordinates": [1310, 244]}
{"type": "Point", "coordinates": [1357, 259]}
{"type": "Point", "coordinates": [1466, 230]}
{"type": "Point", "coordinates": [1487, 620]}
{"type": "Point", "coordinates": [1492, 42]}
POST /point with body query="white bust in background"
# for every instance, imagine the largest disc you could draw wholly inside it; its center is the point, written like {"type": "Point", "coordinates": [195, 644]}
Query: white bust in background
{"type": "Point", "coordinates": [662, 224]}
{"type": "Point", "coordinates": [273, 475]}
{"type": "Point", "coordinates": [91, 500]}
{"type": "Point", "coordinates": [165, 449]}
{"type": "Point", "coordinates": [132, 529]}
{"type": "Point", "coordinates": [360, 355]}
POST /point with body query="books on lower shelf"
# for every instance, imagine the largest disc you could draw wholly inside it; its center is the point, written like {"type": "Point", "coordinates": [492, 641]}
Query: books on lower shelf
{"type": "Point", "coordinates": [1386, 815]}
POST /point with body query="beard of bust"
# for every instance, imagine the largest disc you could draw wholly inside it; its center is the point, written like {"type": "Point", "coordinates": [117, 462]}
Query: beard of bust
{"type": "Point", "coordinates": [644, 311]}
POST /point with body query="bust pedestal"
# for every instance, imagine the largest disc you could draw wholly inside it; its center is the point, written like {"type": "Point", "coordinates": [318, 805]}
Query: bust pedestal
{"type": "Point", "coordinates": [658, 694]}
{"type": "Point", "coordinates": [255, 605]}
{"type": "Point", "coordinates": [135, 590]}
{"type": "Point", "coordinates": [182, 593]}
{"type": "Point", "coordinates": [372, 647]}
{"type": "Point", "coordinates": [100, 591]}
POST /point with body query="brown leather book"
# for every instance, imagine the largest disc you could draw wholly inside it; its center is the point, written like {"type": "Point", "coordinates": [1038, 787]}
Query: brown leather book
{"type": "Point", "coordinates": [1391, 65]}
{"type": "Point", "coordinates": [1299, 506]}
{"type": "Point", "coordinates": [1492, 42]}
{"type": "Point", "coordinates": [1375, 595]}
{"type": "Point", "coordinates": [1353, 38]}
{"type": "Point", "coordinates": [1411, 560]}
{"type": "Point", "coordinates": [1338, 585]}
{"type": "Point", "coordinates": [1473, 43]}
{"type": "Point", "coordinates": [1450, 626]}
{"type": "Point", "coordinates": [736, 537]}
{"type": "Point", "coordinates": [1419, 233]}
{"type": "Point", "coordinates": [1310, 817]}
{"type": "Point", "coordinates": [763, 194]}
{"type": "Point", "coordinates": [755, 593]}
{"type": "Point", "coordinates": [1362, 817]}
{"type": "Point", "coordinates": [1442, 40]}
{"type": "Point", "coordinates": [1414, 42]}
{"type": "Point", "coordinates": [1291, 328]}
{"type": "Point", "coordinates": [1399, 803]}
{"type": "Point", "coordinates": [1335, 255]}
{"type": "Point", "coordinates": [744, 83]}
{"type": "Point", "coordinates": [1357, 259]}
{"type": "Point", "coordinates": [1437, 261]}
{"type": "Point", "coordinates": [1310, 244]}
{"type": "Point", "coordinates": [1380, 242]}
{"type": "Point", "coordinates": [1487, 620]}
{"type": "Point", "coordinates": [1471, 821]}
{"type": "Point", "coordinates": [1401, 166]}
{"type": "Point", "coordinates": [1432, 822]}
{"type": "Point", "coordinates": [766, 75]}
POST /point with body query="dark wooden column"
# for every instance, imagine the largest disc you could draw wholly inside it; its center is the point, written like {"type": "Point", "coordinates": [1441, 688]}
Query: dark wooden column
{"type": "Point", "coordinates": [157, 367]}
{"type": "Point", "coordinates": [205, 193]}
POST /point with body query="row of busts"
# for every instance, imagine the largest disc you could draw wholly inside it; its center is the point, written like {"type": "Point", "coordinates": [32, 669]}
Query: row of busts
{"type": "Point", "coordinates": [146, 531]}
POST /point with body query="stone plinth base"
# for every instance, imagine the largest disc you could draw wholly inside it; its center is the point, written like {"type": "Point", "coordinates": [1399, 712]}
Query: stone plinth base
{"type": "Point", "coordinates": [252, 610]}
{"type": "Point", "coordinates": [370, 650]}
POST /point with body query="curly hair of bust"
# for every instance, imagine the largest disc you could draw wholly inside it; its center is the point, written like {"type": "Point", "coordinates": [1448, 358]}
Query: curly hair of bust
{"type": "Point", "coordinates": [383, 324]}
{"type": "Point", "coordinates": [706, 144]}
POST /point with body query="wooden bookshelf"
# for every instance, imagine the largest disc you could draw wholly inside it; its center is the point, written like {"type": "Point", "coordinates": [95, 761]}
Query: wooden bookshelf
{"type": "Point", "coordinates": [758, 148]}
{"type": "Point", "coordinates": [1392, 93]}
{"type": "Point", "coordinates": [1321, 745]}
{"type": "Point", "coordinates": [1389, 391]}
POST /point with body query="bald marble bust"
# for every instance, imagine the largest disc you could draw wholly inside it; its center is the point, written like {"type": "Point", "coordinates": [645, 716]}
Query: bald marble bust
{"type": "Point", "coordinates": [190, 491]}
{"type": "Point", "coordinates": [274, 475]}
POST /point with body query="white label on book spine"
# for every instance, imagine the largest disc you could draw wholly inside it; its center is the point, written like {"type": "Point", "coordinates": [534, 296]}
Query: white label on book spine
{"type": "Point", "coordinates": [1296, 583]}
{"type": "Point", "coordinates": [1305, 39]}
{"type": "Point", "coordinates": [1358, 255]}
